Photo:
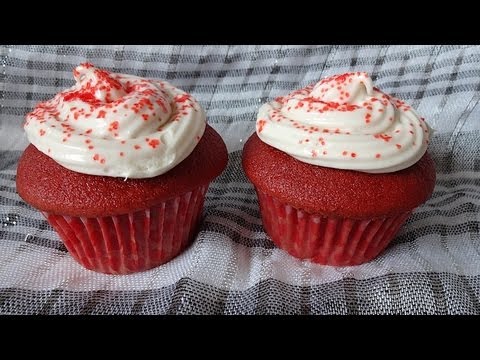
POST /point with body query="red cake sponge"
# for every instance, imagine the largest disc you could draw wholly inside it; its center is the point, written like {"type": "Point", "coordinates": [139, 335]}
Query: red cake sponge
{"type": "Point", "coordinates": [50, 187]}
{"type": "Point", "coordinates": [336, 192]}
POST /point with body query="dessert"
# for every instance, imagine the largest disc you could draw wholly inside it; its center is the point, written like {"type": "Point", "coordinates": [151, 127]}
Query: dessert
{"type": "Point", "coordinates": [119, 165]}
{"type": "Point", "coordinates": [338, 167]}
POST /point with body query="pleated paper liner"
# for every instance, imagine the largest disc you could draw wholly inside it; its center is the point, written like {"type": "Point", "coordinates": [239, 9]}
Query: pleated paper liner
{"type": "Point", "coordinates": [326, 240]}
{"type": "Point", "coordinates": [135, 241]}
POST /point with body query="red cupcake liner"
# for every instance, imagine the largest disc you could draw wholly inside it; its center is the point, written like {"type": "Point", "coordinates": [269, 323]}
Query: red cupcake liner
{"type": "Point", "coordinates": [326, 240]}
{"type": "Point", "coordinates": [135, 241]}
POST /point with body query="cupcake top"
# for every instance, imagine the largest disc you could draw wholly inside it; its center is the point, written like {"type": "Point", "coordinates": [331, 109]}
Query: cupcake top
{"type": "Point", "coordinates": [344, 122]}
{"type": "Point", "coordinates": [117, 125]}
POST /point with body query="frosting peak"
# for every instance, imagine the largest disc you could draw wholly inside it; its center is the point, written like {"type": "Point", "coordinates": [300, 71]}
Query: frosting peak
{"type": "Point", "coordinates": [96, 85]}
{"type": "Point", "coordinates": [344, 122]}
{"type": "Point", "coordinates": [347, 88]}
{"type": "Point", "coordinates": [117, 125]}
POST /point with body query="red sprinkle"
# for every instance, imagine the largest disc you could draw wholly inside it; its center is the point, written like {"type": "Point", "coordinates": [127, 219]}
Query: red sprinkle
{"type": "Point", "coordinates": [83, 95]}
{"type": "Point", "coordinates": [384, 137]}
{"type": "Point", "coordinates": [153, 143]}
{"type": "Point", "coordinates": [182, 98]}
{"type": "Point", "coordinates": [113, 126]}
{"type": "Point", "coordinates": [261, 124]}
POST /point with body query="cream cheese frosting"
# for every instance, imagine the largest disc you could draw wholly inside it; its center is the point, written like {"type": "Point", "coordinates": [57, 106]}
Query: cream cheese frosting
{"type": "Point", "coordinates": [344, 122]}
{"type": "Point", "coordinates": [117, 125]}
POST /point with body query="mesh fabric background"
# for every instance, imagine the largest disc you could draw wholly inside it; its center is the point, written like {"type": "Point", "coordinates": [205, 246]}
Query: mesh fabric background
{"type": "Point", "coordinates": [432, 267]}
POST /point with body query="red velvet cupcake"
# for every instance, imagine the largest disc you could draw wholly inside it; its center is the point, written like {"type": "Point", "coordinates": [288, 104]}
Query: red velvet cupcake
{"type": "Point", "coordinates": [338, 167]}
{"type": "Point", "coordinates": [119, 165]}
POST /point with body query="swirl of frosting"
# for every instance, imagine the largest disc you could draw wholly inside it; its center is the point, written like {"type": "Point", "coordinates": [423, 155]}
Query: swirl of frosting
{"type": "Point", "coordinates": [344, 122]}
{"type": "Point", "coordinates": [117, 125]}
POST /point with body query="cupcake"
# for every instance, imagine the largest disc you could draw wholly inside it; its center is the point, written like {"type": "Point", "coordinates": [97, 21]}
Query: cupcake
{"type": "Point", "coordinates": [338, 167]}
{"type": "Point", "coordinates": [120, 165]}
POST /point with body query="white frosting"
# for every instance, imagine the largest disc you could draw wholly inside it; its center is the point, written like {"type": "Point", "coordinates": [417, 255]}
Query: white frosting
{"type": "Point", "coordinates": [117, 125]}
{"type": "Point", "coordinates": [344, 122]}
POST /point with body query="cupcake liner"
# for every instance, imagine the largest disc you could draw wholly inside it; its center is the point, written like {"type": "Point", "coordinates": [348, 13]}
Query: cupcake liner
{"type": "Point", "coordinates": [135, 241]}
{"type": "Point", "coordinates": [326, 240]}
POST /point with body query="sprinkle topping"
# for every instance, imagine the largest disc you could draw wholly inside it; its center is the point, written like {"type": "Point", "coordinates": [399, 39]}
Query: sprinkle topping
{"type": "Point", "coordinates": [357, 126]}
{"type": "Point", "coordinates": [117, 125]}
